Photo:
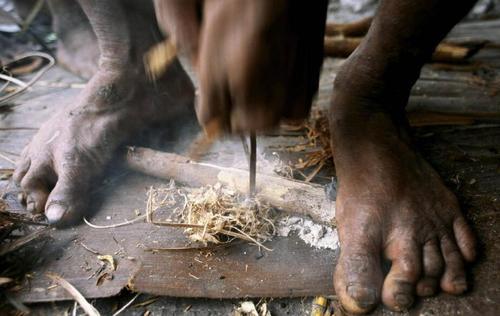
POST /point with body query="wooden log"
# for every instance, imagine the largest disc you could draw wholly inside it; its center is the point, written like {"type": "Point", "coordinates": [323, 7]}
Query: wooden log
{"type": "Point", "coordinates": [342, 47]}
{"type": "Point", "coordinates": [356, 28]}
{"type": "Point", "coordinates": [288, 195]}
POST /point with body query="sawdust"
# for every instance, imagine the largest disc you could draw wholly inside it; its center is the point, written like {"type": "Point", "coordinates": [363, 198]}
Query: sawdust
{"type": "Point", "coordinates": [316, 235]}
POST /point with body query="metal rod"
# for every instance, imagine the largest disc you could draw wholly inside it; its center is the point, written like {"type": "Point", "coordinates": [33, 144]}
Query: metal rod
{"type": "Point", "coordinates": [245, 147]}
{"type": "Point", "coordinates": [253, 163]}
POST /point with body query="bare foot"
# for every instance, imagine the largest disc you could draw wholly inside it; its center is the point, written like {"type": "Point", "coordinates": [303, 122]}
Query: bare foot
{"type": "Point", "coordinates": [64, 158]}
{"type": "Point", "coordinates": [391, 206]}
{"type": "Point", "coordinates": [61, 163]}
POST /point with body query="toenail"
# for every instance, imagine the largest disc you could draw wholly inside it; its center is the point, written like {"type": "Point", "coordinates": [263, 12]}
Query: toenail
{"type": "Point", "coordinates": [55, 213]}
{"type": "Point", "coordinates": [364, 297]}
{"type": "Point", "coordinates": [403, 300]}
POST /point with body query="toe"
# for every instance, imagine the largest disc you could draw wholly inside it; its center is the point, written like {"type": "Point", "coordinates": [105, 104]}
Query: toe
{"type": "Point", "coordinates": [36, 199]}
{"type": "Point", "coordinates": [358, 278]}
{"type": "Point", "coordinates": [65, 203]}
{"type": "Point", "coordinates": [432, 269]}
{"type": "Point", "coordinates": [22, 168]}
{"type": "Point", "coordinates": [36, 191]}
{"type": "Point", "coordinates": [465, 238]}
{"type": "Point", "coordinates": [399, 285]}
{"type": "Point", "coordinates": [453, 280]}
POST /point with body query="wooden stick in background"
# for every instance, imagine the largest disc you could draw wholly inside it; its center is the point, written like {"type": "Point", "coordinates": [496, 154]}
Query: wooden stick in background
{"type": "Point", "coordinates": [353, 29]}
{"type": "Point", "coordinates": [342, 47]}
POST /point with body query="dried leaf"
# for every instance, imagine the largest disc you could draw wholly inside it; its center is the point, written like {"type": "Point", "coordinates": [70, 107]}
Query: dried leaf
{"type": "Point", "coordinates": [109, 259]}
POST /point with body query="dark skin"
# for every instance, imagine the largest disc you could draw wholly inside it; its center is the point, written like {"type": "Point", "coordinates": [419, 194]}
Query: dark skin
{"type": "Point", "coordinates": [254, 59]}
{"type": "Point", "coordinates": [258, 63]}
{"type": "Point", "coordinates": [70, 151]}
{"type": "Point", "coordinates": [391, 205]}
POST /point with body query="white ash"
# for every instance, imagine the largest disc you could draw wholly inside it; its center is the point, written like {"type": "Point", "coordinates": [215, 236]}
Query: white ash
{"type": "Point", "coordinates": [315, 235]}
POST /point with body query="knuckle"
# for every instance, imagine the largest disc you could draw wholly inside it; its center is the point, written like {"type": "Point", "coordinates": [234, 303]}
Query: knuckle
{"type": "Point", "coordinates": [409, 269]}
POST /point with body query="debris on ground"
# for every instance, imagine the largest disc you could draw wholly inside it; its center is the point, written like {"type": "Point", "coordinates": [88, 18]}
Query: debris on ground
{"type": "Point", "coordinates": [248, 308]}
{"type": "Point", "coordinates": [84, 304]}
{"type": "Point", "coordinates": [317, 148]}
{"type": "Point", "coordinates": [16, 231]}
{"type": "Point", "coordinates": [215, 214]}
{"type": "Point", "coordinates": [108, 259]}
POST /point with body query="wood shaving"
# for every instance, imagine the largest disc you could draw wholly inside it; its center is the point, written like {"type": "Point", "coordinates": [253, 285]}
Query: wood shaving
{"type": "Point", "coordinates": [317, 148]}
{"type": "Point", "coordinates": [216, 214]}
{"type": "Point", "coordinates": [108, 259]}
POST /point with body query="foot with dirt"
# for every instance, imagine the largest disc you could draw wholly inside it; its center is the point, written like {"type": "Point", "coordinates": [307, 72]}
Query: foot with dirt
{"type": "Point", "coordinates": [393, 209]}
{"type": "Point", "coordinates": [71, 150]}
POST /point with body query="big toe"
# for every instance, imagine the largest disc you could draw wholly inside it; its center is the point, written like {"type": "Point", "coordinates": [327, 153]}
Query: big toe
{"type": "Point", "coordinates": [65, 204]}
{"type": "Point", "coordinates": [358, 279]}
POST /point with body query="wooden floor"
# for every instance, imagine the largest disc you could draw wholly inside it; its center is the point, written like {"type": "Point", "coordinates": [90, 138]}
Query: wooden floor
{"type": "Point", "coordinates": [467, 156]}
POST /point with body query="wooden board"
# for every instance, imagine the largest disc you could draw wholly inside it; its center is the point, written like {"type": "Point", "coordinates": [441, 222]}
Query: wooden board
{"type": "Point", "coordinates": [239, 270]}
{"type": "Point", "coordinates": [292, 268]}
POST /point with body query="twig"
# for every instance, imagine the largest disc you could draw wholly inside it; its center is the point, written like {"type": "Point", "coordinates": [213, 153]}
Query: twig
{"type": "Point", "coordinates": [18, 128]}
{"type": "Point", "coordinates": [7, 159]}
{"type": "Point", "coordinates": [95, 252]}
{"type": "Point", "coordinates": [127, 222]}
{"type": "Point", "coordinates": [315, 171]}
{"type": "Point", "coordinates": [32, 15]}
{"type": "Point", "coordinates": [174, 249]}
{"type": "Point", "coordinates": [52, 62]}
{"type": "Point", "coordinates": [22, 241]}
{"type": "Point", "coordinates": [4, 86]}
{"type": "Point", "coordinates": [18, 218]}
{"type": "Point", "coordinates": [172, 224]}
{"type": "Point", "coordinates": [149, 206]}
{"type": "Point", "coordinates": [74, 85]}
{"type": "Point", "coordinates": [127, 305]}
{"type": "Point", "coordinates": [19, 23]}
{"type": "Point", "coordinates": [20, 83]}
{"type": "Point", "coordinates": [243, 235]}
{"type": "Point", "coordinates": [146, 302]}
{"type": "Point", "coordinates": [86, 306]}
{"type": "Point", "coordinates": [10, 153]}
